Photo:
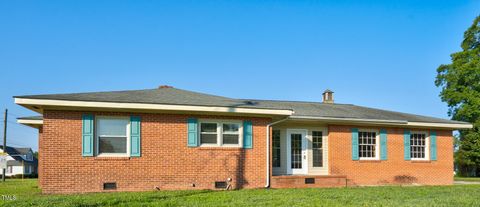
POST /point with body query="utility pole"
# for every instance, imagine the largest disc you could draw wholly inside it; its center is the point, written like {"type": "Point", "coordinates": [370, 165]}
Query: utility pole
{"type": "Point", "coordinates": [4, 140]}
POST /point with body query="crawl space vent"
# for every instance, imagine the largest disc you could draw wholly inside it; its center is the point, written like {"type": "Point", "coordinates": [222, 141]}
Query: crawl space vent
{"type": "Point", "coordinates": [309, 180]}
{"type": "Point", "coordinates": [109, 186]}
{"type": "Point", "coordinates": [220, 184]}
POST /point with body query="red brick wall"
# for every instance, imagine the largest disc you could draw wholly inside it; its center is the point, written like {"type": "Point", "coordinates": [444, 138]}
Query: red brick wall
{"type": "Point", "coordinates": [394, 170]}
{"type": "Point", "coordinates": [166, 160]}
{"type": "Point", "coordinates": [40, 132]}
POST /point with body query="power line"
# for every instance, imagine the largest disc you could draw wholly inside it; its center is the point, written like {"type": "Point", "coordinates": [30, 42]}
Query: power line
{"type": "Point", "coordinates": [14, 139]}
{"type": "Point", "coordinates": [22, 134]}
{"type": "Point", "coordinates": [12, 122]}
{"type": "Point", "coordinates": [13, 114]}
{"type": "Point", "coordinates": [16, 144]}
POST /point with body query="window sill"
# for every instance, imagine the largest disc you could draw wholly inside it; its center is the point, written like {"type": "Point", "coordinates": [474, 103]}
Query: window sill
{"type": "Point", "coordinates": [111, 158]}
{"type": "Point", "coordinates": [369, 161]}
{"type": "Point", "coordinates": [220, 148]}
{"type": "Point", "coordinates": [420, 161]}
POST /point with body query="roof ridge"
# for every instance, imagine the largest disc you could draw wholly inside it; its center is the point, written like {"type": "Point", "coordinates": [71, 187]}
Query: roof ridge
{"type": "Point", "coordinates": [120, 91]}
{"type": "Point", "coordinates": [293, 101]}
{"type": "Point", "coordinates": [202, 93]}
{"type": "Point", "coordinates": [48, 94]}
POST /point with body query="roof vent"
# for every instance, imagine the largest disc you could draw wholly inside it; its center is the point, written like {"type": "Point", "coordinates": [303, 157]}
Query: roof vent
{"type": "Point", "coordinates": [165, 86]}
{"type": "Point", "coordinates": [328, 96]}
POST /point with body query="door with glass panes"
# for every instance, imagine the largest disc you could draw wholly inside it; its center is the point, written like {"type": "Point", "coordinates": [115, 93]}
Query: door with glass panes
{"type": "Point", "coordinates": [297, 159]}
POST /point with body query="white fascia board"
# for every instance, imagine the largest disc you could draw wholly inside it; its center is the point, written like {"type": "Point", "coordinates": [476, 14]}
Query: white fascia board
{"type": "Point", "coordinates": [349, 119]}
{"type": "Point", "coordinates": [441, 125]}
{"type": "Point", "coordinates": [388, 122]}
{"type": "Point", "coordinates": [115, 105]}
{"type": "Point", "coordinates": [30, 121]}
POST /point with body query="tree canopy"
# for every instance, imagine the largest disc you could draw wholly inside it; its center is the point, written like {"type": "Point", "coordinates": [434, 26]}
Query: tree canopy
{"type": "Point", "coordinates": [460, 83]}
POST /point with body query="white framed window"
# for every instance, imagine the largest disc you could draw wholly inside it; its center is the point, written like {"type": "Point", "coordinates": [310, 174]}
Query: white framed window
{"type": "Point", "coordinates": [317, 148]}
{"type": "Point", "coordinates": [9, 169]}
{"type": "Point", "coordinates": [112, 136]}
{"type": "Point", "coordinates": [221, 133]}
{"type": "Point", "coordinates": [276, 151]}
{"type": "Point", "coordinates": [419, 146]}
{"type": "Point", "coordinates": [368, 144]}
{"type": "Point", "coordinates": [208, 133]}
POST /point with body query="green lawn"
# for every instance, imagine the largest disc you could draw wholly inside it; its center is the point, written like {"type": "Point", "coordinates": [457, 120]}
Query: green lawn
{"type": "Point", "coordinates": [469, 179]}
{"type": "Point", "coordinates": [27, 194]}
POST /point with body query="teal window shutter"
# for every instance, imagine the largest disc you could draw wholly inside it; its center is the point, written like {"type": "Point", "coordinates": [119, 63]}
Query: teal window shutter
{"type": "Point", "coordinates": [354, 144]}
{"type": "Point", "coordinates": [433, 145]}
{"type": "Point", "coordinates": [135, 136]}
{"type": "Point", "coordinates": [406, 144]}
{"type": "Point", "coordinates": [383, 144]}
{"type": "Point", "coordinates": [247, 134]}
{"type": "Point", "coordinates": [87, 135]}
{"type": "Point", "coordinates": [192, 130]}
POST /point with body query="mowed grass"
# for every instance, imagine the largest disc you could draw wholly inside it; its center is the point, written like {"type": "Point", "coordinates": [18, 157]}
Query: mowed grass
{"type": "Point", "coordinates": [28, 194]}
{"type": "Point", "coordinates": [468, 179]}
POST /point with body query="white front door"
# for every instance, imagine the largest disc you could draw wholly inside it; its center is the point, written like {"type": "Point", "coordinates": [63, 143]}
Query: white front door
{"type": "Point", "coordinates": [297, 151]}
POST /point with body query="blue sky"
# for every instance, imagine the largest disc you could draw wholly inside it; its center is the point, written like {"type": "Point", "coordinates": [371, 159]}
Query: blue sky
{"type": "Point", "coordinates": [381, 54]}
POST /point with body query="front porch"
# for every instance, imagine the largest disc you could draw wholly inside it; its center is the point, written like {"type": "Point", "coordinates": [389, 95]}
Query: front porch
{"type": "Point", "coordinates": [300, 148]}
{"type": "Point", "coordinates": [300, 156]}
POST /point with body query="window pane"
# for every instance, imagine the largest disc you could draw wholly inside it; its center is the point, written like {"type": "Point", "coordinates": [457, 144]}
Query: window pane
{"type": "Point", "coordinates": [276, 148]}
{"type": "Point", "coordinates": [112, 145]}
{"type": "Point", "coordinates": [366, 144]}
{"type": "Point", "coordinates": [113, 127]}
{"type": "Point", "coordinates": [230, 139]}
{"type": "Point", "coordinates": [208, 139]}
{"type": "Point", "coordinates": [317, 149]}
{"type": "Point", "coordinates": [296, 151]}
{"type": "Point", "coordinates": [209, 127]}
{"type": "Point", "coordinates": [231, 128]}
{"type": "Point", "coordinates": [417, 145]}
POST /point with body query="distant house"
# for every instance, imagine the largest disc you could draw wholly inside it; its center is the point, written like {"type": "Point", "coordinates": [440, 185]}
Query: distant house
{"type": "Point", "coordinates": [20, 161]}
{"type": "Point", "coordinates": [168, 138]}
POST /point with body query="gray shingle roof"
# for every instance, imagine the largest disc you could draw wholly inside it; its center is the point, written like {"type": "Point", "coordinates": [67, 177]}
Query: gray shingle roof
{"type": "Point", "coordinates": [151, 96]}
{"type": "Point", "coordinates": [17, 151]}
{"type": "Point", "coordinates": [182, 97]}
{"type": "Point", "coordinates": [316, 109]}
{"type": "Point", "coordinates": [32, 117]}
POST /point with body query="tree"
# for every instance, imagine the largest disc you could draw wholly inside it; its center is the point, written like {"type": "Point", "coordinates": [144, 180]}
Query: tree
{"type": "Point", "coordinates": [460, 83]}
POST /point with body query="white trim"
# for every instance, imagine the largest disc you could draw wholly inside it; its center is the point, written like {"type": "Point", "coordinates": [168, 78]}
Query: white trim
{"type": "Point", "coordinates": [427, 145]}
{"type": "Point", "coordinates": [267, 184]}
{"type": "Point", "coordinates": [387, 122]}
{"type": "Point", "coordinates": [441, 125]}
{"type": "Point", "coordinates": [97, 104]}
{"type": "Point", "coordinates": [30, 121]}
{"type": "Point", "coordinates": [324, 169]}
{"type": "Point", "coordinates": [348, 119]}
{"type": "Point", "coordinates": [304, 169]}
{"type": "Point", "coordinates": [219, 132]}
{"type": "Point", "coordinates": [97, 137]}
{"type": "Point", "coordinates": [377, 144]}
{"type": "Point", "coordinates": [274, 168]}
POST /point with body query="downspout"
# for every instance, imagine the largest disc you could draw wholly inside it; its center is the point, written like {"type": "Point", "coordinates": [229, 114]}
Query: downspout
{"type": "Point", "coordinates": [267, 185]}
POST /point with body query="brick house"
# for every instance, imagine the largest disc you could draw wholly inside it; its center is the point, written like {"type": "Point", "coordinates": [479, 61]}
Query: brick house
{"type": "Point", "coordinates": [168, 138]}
